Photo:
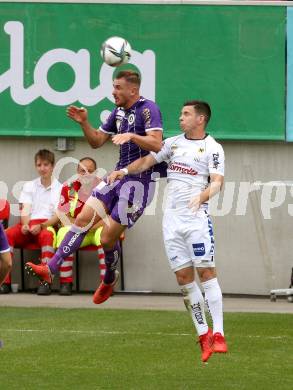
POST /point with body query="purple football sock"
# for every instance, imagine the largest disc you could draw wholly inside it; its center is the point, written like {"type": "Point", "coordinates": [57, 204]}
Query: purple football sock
{"type": "Point", "coordinates": [111, 261]}
{"type": "Point", "coordinates": [69, 244]}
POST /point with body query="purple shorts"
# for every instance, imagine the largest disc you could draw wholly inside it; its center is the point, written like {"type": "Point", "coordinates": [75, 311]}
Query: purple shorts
{"type": "Point", "coordinates": [4, 246]}
{"type": "Point", "coordinates": [126, 199]}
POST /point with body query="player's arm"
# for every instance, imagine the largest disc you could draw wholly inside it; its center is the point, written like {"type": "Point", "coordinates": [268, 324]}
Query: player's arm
{"type": "Point", "coordinates": [94, 137]}
{"type": "Point", "coordinates": [215, 186]}
{"type": "Point", "coordinates": [138, 166]}
{"type": "Point", "coordinates": [152, 141]}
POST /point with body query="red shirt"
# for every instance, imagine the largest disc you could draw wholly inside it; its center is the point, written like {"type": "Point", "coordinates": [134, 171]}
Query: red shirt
{"type": "Point", "coordinates": [73, 197]}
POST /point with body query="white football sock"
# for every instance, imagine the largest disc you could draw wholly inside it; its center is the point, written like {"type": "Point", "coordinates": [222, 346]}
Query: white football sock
{"type": "Point", "coordinates": [213, 297]}
{"type": "Point", "coordinates": [194, 303]}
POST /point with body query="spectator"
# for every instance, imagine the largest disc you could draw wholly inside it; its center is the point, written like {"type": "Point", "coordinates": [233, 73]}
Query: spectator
{"type": "Point", "coordinates": [72, 200]}
{"type": "Point", "coordinates": [38, 201]}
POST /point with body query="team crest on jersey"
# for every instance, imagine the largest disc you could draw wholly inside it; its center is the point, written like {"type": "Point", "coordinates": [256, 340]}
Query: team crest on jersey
{"type": "Point", "coordinates": [131, 119]}
{"type": "Point", "coordinates": [200, 151]}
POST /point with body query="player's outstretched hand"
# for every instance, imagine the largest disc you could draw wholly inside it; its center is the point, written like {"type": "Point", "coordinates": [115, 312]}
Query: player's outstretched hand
{"type": "Point", "coordinates": [116, 175]}
{"type": "Point", "coordinates": [78, 114]}
{"type": "Point", "coordinates": [120, 139]}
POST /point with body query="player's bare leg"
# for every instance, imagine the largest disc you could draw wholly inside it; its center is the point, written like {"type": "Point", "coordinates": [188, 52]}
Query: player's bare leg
{"type": "Point", "coordinates": [92, 212]}
{"type": "Point", "coordinates": [110, 241]}
{"type": "Point", "coordinates": [214, 301]}
{"type": "Point", "coordinates": [5, 265]}
{"type": "Point", "coordinates": [194, 303]}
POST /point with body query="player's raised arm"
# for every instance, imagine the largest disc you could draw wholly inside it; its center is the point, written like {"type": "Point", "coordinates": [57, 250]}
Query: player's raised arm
{"type": "Point", "coordinates": [95, 137]}
{"type": "Point", "coordinates": [138, 166]}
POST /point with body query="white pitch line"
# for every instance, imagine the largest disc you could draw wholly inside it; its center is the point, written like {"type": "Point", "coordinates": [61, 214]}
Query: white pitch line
{"type": "Point", "coordinates": [106, 332]}
{"type": "Point", "coordinates": [93, 332]}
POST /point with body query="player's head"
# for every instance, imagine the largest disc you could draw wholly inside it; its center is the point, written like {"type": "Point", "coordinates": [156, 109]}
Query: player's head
{"type": "Point", "coordinates": [126, 88]}
{"type": "Point", "coordinates": [195, 114]}
{"type": "Point", "coordinates": [44, 162]}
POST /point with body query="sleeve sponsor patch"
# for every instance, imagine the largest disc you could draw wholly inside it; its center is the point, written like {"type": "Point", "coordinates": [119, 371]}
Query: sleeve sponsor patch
{"type": "Point", "coordinates": [216, 160]}
{"type": "Point", "coordinates": [147, 117]}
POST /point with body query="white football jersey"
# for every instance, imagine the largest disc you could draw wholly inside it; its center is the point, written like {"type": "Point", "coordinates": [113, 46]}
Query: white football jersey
{"type": "Point", "coordinates": [190, 163]}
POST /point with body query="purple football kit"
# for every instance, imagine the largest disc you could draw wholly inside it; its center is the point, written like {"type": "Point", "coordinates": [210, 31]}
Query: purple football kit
{"type": "Point", "coordinates": [126, 200]}
{"type": "Point", "coordinates": [4, 246]}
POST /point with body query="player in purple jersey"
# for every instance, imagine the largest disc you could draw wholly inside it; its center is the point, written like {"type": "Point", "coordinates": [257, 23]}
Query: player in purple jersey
{"type": "Point", "coordinates": [5, 256]}
{"type": "Point", "coordinates": [136, 126]}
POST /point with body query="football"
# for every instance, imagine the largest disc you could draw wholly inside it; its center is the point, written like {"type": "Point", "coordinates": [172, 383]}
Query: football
{"type": "Point", "coordinates": [116, 51]}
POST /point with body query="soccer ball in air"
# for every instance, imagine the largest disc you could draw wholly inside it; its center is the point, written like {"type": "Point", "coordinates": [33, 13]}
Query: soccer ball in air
{"type": "Point", "coordinates": [116, 51]}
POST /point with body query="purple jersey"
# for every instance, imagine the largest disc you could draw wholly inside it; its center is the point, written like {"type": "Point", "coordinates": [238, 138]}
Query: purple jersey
{"type": "Point", "coordinates": [4, 246]}
{"type": "Point", "coordinates": [140, 118]}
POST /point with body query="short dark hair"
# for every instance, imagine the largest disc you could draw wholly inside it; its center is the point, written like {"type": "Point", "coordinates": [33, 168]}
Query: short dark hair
{"type": "Point", "coordinates": [202, 108]}
{"type": "Point", "coordinates": [130, 76]}
{"type": "Point", "coordinates": [90, 159]}
{"type": "Point", "coordinates": [45, 155]}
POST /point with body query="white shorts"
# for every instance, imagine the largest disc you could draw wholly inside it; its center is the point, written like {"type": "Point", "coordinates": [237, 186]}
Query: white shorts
{"type": "Point", "coordinates": [189, 240]}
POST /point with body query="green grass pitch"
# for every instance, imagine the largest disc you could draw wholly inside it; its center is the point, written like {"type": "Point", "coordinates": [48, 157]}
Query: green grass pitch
{"type": "Point", "coordinates": [92, 349]}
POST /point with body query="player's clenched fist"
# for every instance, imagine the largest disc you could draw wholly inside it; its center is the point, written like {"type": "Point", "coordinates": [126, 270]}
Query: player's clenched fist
{"type": "Point", "coordinates": [79, 115]}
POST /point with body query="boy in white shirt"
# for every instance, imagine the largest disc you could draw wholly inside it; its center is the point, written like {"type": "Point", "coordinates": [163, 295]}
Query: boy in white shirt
{"type": "Point", "coordinates": [38, 201]}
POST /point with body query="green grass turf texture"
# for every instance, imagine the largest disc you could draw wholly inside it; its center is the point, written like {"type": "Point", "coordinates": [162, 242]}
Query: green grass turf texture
{"type": "Point", "coordinates": [137, 349]}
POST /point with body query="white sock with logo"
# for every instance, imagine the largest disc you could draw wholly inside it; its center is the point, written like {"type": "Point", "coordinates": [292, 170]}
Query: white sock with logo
{"type": "Point", "coordinates": [194, 303]}
{"type": "Point", "coordinates": [214, 301]}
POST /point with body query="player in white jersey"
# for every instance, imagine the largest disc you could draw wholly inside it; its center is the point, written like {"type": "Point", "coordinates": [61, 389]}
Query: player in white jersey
{"type": "Point", "coordinates": [195, 173]}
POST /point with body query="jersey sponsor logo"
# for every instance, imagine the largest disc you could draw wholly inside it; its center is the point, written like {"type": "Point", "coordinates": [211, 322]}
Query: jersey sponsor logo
{"type": "Point", "coordinates": [177, 167]}
{"type": "Point", "coordinates": [131, 119]}
{"type": "Point", "coordinates": [199, 249]}
{"type": "Point", "coordinates": [147, 117]}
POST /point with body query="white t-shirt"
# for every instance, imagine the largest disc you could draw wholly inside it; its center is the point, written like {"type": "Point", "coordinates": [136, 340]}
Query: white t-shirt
{"type": "Point", "coordinates": [190, 163]}
{"type": "Point", "coordinates": [43, 200]}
